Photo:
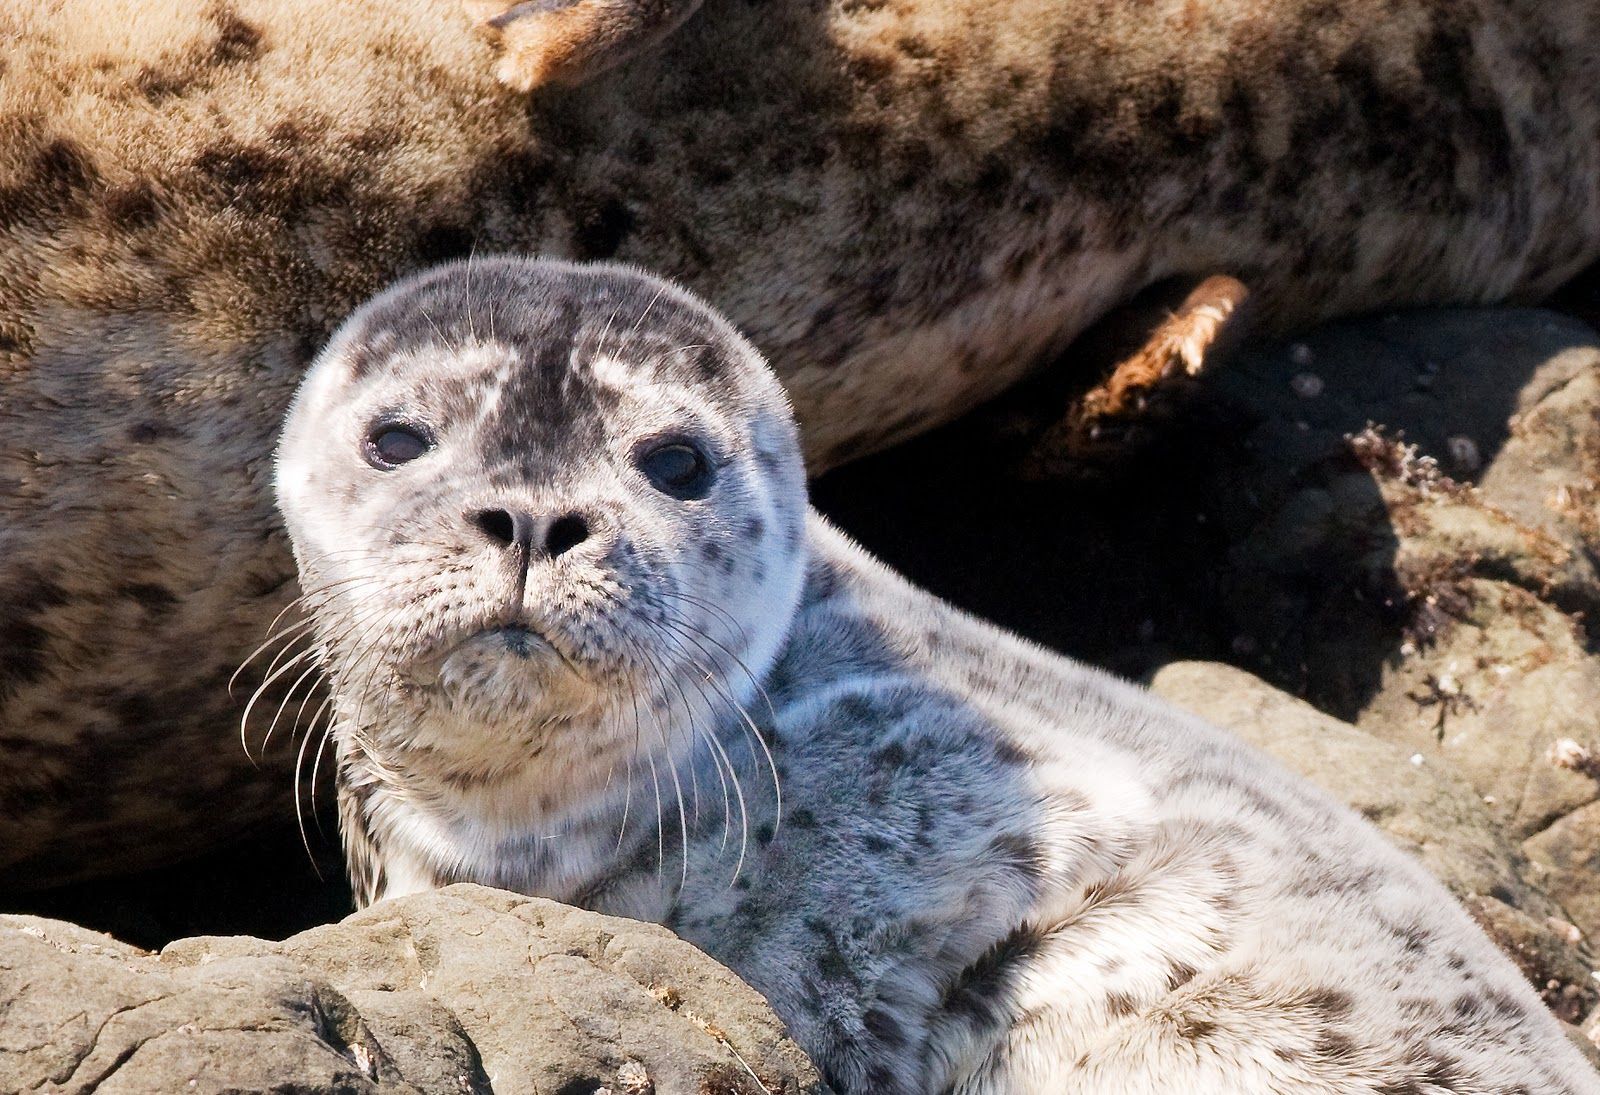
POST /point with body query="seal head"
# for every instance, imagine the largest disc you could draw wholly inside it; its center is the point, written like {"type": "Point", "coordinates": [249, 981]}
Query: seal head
{"type": "Point", "coordinates": [546, 516]}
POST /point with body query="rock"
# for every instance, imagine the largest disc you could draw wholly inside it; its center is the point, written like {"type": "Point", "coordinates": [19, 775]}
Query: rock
{"type": "Point", "coordinates": [460, 990]}
{"type": "Point", "coordinates": [1568, 857]}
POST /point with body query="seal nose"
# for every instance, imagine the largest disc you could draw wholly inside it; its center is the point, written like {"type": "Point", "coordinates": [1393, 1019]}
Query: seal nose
{"type": "Point", "coordinates": [548, 536]}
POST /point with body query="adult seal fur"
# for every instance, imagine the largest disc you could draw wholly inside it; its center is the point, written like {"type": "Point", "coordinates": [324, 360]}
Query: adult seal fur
{"type": "Point", "coordinates": [907, 205]}
{"type": "Point", "coordinates": [587, 640]}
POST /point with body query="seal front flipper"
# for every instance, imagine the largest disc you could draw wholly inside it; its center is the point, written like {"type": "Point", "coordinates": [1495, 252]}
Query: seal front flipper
{"type": "Point", "coordinates": [565, 42]}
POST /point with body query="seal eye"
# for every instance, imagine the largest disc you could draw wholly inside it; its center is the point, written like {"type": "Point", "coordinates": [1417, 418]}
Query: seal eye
{"type": "Point", "coordinates": [390, 445]}
{"type": "Point", "coordinates": [677, 468]}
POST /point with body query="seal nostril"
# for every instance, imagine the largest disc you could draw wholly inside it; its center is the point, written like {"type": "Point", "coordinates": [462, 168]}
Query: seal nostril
{"type": "Point", "coordinates": [496, 524]}
{"type": "Point", "coordinates": [565, 534]}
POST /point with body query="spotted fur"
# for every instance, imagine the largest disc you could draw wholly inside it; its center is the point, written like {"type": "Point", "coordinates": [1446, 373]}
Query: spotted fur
{"type": "Point", "coordinates": [907, 204]}
{"type": "Point", "coordinates": [953, 861]}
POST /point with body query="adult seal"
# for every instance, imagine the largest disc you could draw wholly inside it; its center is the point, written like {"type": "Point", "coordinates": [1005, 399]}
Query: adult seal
{"type": "Point", "coordinates": [587, 640]}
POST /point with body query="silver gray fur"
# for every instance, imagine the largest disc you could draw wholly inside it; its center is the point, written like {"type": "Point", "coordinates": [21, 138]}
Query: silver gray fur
{"type": "Point", "coordinates": [989, 870]}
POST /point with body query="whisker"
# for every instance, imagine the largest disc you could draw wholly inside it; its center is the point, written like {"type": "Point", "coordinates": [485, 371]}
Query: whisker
{"type": "Point", "coordinates": [752, 730]}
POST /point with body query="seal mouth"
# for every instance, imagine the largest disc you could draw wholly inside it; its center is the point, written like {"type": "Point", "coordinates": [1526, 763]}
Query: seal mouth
{"type": "Point", "coordinates": [521, 642]}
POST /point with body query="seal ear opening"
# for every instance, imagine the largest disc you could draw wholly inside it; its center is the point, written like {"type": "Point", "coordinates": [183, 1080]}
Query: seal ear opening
{"type": "Point", "coordinates": [565, 42]}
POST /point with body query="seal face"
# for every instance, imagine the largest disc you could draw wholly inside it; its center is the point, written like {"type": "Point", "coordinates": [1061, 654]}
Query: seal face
{"type": "Point", "coordinates": [539, 511]}
{"type": "Point", "coordinates": [586, 641]}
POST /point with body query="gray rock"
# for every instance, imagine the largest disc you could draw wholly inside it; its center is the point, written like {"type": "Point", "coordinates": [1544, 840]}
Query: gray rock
{"type": "Point", "coordinates": [1567, 855]}
{"type": "Point", "coordinates": [462, 990]}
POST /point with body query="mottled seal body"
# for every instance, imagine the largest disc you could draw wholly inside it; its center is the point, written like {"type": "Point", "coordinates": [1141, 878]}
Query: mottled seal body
{"type": "Point", "coordinates": [586, 640]}
{"type": "Point", "coordinates": [907, 205]}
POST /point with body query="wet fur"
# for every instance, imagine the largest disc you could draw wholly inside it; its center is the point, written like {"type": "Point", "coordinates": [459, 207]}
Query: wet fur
{"type": "Point", "coordinates": [989, 870]}
{"type": "Point", "coordinates": [907, 205]}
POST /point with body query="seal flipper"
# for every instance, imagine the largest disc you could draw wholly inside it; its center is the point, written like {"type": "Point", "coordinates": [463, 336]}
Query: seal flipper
{"type": "Point", "coordinates": [565, 42]}
{"type": "Point", "coordinates": [1148, 385]}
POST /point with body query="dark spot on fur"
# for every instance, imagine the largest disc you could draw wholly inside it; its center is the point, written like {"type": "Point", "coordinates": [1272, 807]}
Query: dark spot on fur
{"type": "Point", "coordinates": [709, 171]}
{"type": "Point", "coordinates": [1019, 853]}
{"type": "Point", "coordinates": [892, 755]}
{"type": "Point", "coordinates": [1330, 1003]}
{"type": "Point", "coordinates": [1334, 1046]}
{"type": "Point", "coordinates": [1467, 1005]}
{"type": "Point", "coordinates": [1180, 974]}
{"type": "Point", "coordinates": [237, 40]}
{"type": "Point", "coordinates": [884, 1027]}
{"type": "Point", "coordinates": [1505, 1007]}
{"type": "Point", "coordinates": [443, 242]}
{"type": "Point", "coordinates": [160, 84]}
{"type": "Point", "coordinates": [159, 600]}
{"type": "Point", "coordinates": [377, 138]}
{"type": "Point", "coordinates": [1120, 1004]}
{"type": "Point", "coordinates": [131, 205]}
{"type": "Point", "coordinates": [875, 843]}
{"type": "Point", "coordinates": [1442, 1071]}
{"type": "Point", "coordinates": [1415, 937]}
{"type": "Point", "coordinates": [880, 1077]}
{"type": "Point", "coordinates": [599, 230]}
{"type": "Point", "coordinates": [803, 818]}
{"type": "Point", "coordinates": [23, 640]}
{"type": "Point", "coordinates": [1009, 752]}
{"type": "Point", "coordinates": [135, 711]}
{"type": "Point", "coordinates": [980, 992]}
{"type": "Point", "coordinates": [831, 961]}
{"type": "Point", "coordinates": [59, 176]}
{"type": "Point", "coordinates": [64, 169]}
{"type": "Point", "coordinates": [915, 47]}
{"type": "Point", "coordinates": [144, 433]}
{"type": "Point", "coordinates": [236, 165]}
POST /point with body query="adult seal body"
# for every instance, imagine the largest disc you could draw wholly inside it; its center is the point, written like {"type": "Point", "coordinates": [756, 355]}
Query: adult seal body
{"type": "Point", "coordinates": [586, 640]}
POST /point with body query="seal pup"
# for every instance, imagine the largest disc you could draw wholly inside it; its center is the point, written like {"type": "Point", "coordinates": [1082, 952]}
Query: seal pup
{"type": "Point", "coordinates": [587, 640]}
{"type": "Point", "coordinates": [908, 204]}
